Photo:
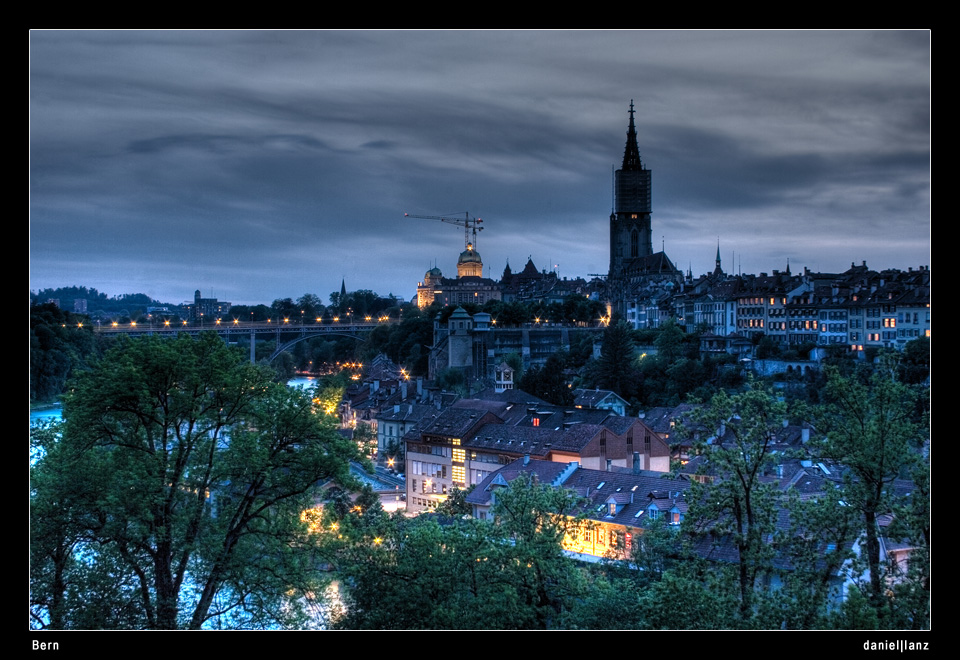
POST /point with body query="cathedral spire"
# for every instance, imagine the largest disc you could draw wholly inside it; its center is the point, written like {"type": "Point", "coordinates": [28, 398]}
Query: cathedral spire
{"type": "Point", "coordinates": [631, 154]}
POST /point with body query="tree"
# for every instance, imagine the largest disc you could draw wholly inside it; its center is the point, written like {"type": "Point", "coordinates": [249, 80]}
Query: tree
{"type": "Point", "coordinates": [416, 573]}
{"type": "Point", "coordinates": [328, 394]}
{"type": "Point", "coordinates": [60, 343]}
{"type": "Point", "coordinates": [456, 503]}
{"type": "Point", "coordinates": [285, 308]}
{"type": "Point", "coordinates": [871, 430]}
{"type": "Point", "coordinates": [914, 365]}
{"type": "Point", "coordinates": [547, 382]}
{"type": "Point", "coordinates": [911, 587]}
{"type": "Point", "coordinates": [669, 342]}
{"type": "Point", "coordinates": [815, 545]}
{"type": "Point", "coordinates": [534, 518]}
{"type": "Point", "coordinates": [452, 380]}
{"type": "Point", "coordinates": [616, 369]}
{"type": "Point", "coordinates": [738, 505]}
{"type": "Point", "coordinates": [310, 305]}
{"type": "Point", "coordinates": [195, 466]}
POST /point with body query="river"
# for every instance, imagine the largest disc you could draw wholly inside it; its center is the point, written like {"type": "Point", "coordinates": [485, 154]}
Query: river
{"type": "Point", "coordinates": [55, 413]}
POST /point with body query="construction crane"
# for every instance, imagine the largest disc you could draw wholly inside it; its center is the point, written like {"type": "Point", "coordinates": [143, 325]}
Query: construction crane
{"type": "Point", "coordinates": [470, 225]}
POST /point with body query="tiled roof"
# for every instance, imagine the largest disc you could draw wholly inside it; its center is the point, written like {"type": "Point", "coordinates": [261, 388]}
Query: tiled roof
{"type": "Point", "coordinates": [590, 398]}
{"type": "Point", "coordinates": [544, 471]}
{"type": "Point", "coordinates": [455, 422]}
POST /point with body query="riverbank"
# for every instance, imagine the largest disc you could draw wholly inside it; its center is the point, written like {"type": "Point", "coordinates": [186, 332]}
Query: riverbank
{"type": "Point", "coordinates": [40, 406]}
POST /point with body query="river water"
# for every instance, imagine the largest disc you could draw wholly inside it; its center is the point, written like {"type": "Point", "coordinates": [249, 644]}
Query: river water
{"type": "Point", "coordinates": [44, 414]}
{"type": "Point", "coordinates": [54, 413]}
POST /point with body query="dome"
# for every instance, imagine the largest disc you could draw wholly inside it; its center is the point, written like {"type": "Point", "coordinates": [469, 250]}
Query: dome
{"type": "Point", "coordinates": [469, 256]}
{"type": "Point", "coordinates": [469, 263]}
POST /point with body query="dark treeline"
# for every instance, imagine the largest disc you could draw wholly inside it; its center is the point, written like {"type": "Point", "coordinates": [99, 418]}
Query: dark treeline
{"type": "Point", "coordinates": [61, 343]}
{"type": "Point", "coordinates": [98, 304]}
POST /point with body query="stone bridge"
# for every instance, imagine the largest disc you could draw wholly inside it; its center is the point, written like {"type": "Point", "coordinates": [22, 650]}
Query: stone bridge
{"type": "Point", "coordinates": [285, 333]}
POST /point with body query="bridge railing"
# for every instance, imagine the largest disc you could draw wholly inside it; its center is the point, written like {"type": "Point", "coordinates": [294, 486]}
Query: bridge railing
{"type": "Point", "coordinates": [245, 326]}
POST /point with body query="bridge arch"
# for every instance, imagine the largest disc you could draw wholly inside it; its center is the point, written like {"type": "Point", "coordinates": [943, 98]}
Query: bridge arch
{"type": "Point", "coordinates": [283, 347]}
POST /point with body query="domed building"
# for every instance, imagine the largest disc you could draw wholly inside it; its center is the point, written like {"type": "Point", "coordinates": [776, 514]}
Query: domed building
{"type": "Point", "coordinates": [469, 264]}
{"type": "Point", "coordinates": [468, 287]}
{"type": "Point", "coordinates": [432, 280]}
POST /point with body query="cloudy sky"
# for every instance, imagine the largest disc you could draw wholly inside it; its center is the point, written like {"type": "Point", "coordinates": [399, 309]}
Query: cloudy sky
{"type": "Point", "coordinates": [256, 165]}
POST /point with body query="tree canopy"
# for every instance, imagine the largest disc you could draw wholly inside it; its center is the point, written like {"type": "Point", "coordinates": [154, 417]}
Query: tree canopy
{"type": "Point", "coordinates": [60, 342]}
{"type": "Point", "coordinates": [171, 494]}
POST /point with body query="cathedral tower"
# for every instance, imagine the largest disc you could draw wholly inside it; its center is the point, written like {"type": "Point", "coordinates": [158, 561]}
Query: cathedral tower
{"type": "Point", "coordinates": [630, 232]}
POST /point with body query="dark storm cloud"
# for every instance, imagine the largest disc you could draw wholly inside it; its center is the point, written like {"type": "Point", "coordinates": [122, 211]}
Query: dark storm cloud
{"type": "Point", "coordinates": [258, 165]}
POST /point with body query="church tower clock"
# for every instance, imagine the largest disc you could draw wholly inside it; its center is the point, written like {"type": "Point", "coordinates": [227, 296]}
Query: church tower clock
{"type": "Point", "coordinates": [630, 232]}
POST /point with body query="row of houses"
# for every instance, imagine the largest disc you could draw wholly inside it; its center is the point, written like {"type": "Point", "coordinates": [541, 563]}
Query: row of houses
{"type": "Point", "coordinates": [858, 308]}
{"type": "Point", "coordinates": [460, 446]}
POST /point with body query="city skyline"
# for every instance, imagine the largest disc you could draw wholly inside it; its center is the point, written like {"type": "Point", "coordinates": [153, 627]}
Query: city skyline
{"type": "Point", "coordinates": [256, 165]}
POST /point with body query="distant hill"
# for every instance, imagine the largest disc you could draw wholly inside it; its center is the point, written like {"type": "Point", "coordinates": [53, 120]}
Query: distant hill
{"type": "Point", "coordinates": [98, 304]}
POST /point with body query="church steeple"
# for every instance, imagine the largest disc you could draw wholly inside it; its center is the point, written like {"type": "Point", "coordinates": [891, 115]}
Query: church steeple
{"type": "Point", "coordinates": [630, 229]}
{"type": "Point", "coordinates": [631, 153]}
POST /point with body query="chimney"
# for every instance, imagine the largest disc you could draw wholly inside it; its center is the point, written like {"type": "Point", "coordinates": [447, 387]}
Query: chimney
{"type": "Point", "coordinates": [636, 462]}
{"type": "Point", "coordinates": [403, 391]}
{"type": "Point", "coordinates": [376, 384]}
{"type": "Point", "coordinates": [419, 386]}
{"type": "Point", "coordinates": [526, 459]}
